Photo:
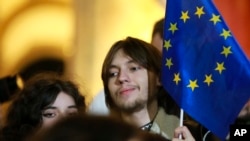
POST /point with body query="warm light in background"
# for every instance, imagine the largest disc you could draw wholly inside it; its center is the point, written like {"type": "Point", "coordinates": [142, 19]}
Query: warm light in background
{"type": "Point", "coordinates": [79, 32]}
{"type": "Point", "coordinates": [33, 29]}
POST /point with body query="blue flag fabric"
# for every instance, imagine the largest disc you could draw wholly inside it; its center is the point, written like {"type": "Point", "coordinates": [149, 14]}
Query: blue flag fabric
{"type": "Point", "coordinates": [204, 69]}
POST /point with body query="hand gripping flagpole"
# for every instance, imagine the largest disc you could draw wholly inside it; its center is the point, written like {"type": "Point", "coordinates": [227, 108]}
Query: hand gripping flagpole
{"type": "Point", "coordinates": [181, 121]}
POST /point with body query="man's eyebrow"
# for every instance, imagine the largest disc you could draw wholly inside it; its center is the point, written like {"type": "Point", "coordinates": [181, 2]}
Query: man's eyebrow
{"type": "Point", "coordinates": [130, 61]}
{"type": "Point", "coordinates": [72, 106]}
{"type": "Point", "coordinates": [112, 66]}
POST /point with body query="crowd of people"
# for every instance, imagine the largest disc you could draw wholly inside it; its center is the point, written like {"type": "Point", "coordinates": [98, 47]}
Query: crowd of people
{"type": "Point", "coordinates": [50, 107]}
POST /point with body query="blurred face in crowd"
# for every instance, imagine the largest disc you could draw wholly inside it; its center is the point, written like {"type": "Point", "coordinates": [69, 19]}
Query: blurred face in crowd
{"type": "Point", "coordinates": [128, 83]}
{"type": "Point", "coordinates": [245, 111]}
{"type": "Point", "coordinates": [64, 105]}
{"type": "Point", "coordinates": [157, 41]}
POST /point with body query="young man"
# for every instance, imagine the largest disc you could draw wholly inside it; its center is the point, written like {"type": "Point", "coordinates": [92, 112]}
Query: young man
{"type": "Point", "coordinates": [131, 77]}
{"type": "Point", "coordinates": [98, 105]}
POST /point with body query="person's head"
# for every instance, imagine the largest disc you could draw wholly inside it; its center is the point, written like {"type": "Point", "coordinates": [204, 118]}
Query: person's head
{"type": "Point", "coordinates": [94, 128]}
{"type": "Point", "coordinates": [157, 34]}
{"type": "Point", "coordinates": [157, 41]}
{"type": "Point", "coordinates": [43, 100]}
{"type": "Point", "coordinates": [244, 115]}
{"type": "Point", "coordinates": [130, 74]}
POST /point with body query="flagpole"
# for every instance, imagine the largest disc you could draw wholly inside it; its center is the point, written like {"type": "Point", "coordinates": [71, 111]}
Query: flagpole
{"type": "Point", "coordinates": [181, 121]}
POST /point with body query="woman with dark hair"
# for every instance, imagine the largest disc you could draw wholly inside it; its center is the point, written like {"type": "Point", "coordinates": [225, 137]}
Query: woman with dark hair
{"type": "Point", "coordinates": [43, 100]}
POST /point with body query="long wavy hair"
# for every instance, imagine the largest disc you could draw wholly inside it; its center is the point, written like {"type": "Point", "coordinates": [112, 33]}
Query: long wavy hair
{"type": "Point", "coordinates": [25, 112]}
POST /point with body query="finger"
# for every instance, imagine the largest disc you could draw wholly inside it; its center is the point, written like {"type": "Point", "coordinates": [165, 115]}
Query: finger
{"type": "Point", "coordinates": [184, 132]}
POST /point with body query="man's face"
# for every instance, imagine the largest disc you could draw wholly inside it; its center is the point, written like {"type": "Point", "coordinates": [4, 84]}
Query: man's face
{"type": "Point", "coordinates": [128, 83]}
{"type": "Point", "coordinates": [157, 41]}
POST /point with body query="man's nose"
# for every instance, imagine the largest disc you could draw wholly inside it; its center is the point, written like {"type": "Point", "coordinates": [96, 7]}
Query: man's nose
{"type": "Point", "coordinates": [123, 77]}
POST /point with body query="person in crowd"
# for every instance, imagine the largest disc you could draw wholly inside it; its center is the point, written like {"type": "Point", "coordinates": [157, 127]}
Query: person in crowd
{"type": "Point", "coordinates": [244, 115]}
{"type": "Point", "coordinates": [201, 132]}
{"type": "Point", "coordinates": [11, 84]}
{"type": "Point", "coordinates": [131, 78]}
{"type": "Point", "coordinates": [8, 86]}
{"type": "Point", "coordinates": [98, 105]}
{"type": "Point", "coordinates": [94, 128]}
{"type": "Point", "coordinates": [157, 34]}
{"type": "Point", "coordinates": [198, 131]}
{"type": "Point", "coordinates": [44, 99]}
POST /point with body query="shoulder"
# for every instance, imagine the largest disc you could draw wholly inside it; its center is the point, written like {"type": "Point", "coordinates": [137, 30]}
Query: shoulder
{"type": "Point", "coordinates": [98, 105]}
{"type": "Point", "coordinates": [165, 123]}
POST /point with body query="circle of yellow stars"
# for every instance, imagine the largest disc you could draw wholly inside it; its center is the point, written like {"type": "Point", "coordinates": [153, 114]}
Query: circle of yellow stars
{"type": "Point", "coordinates": [226, 51]}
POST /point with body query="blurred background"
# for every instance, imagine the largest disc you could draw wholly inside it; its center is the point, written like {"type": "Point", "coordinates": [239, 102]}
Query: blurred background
{"type": "Point", "coordinates": [72, 37]}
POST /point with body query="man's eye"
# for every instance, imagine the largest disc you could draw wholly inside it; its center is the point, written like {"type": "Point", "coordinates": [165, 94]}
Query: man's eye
{"type": "Point", "coordinates": [135, 68]}
{"type": "Point", "coordinates": [113, 74]}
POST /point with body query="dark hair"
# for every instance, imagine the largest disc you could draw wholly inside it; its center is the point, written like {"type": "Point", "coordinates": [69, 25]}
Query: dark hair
{"type": "Point", "coordinates": [25, 112]}
{"type": "Point", "coordinates": [145, 55]}
{"type": "Point", "coordinates": [88, 128]}
{"type": "Point", "coordinates": [8, 87]}
{"type": "Point", "coordinates": [158, 28]}
{"type": "Point", "coordinates": [94, 128]}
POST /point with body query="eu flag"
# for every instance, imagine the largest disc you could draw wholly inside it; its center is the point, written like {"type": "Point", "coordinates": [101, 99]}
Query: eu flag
{"type": "Point", "coordinates": [204, 69]}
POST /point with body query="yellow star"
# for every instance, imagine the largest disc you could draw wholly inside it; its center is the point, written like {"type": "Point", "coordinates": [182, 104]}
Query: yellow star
{"type": "Point", "coordinates": [199, 11]}
{"type": "Point", "coordinates": [220, 67]}
{"type": "Point", "coordinates": [208, 79]}
{"type": "Point", "coordinates": [177, 78]}
{"type": "Point", "coordinates": [193, 84]}
{"type": "Point", "coordinates": [184, 16]}
{"type": "Point", "coordinates": [215, 18]}
{"type": "Point", "coordinates": [167, 44]}
{"type": "Point", "coordinates": [225, 33]}
{"type": "Point", "coordinates": [226, 51]}
{"type": "Point", "coordinates": [173, 27]}
{"type": "Point", "coordinates": [169, 62]}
